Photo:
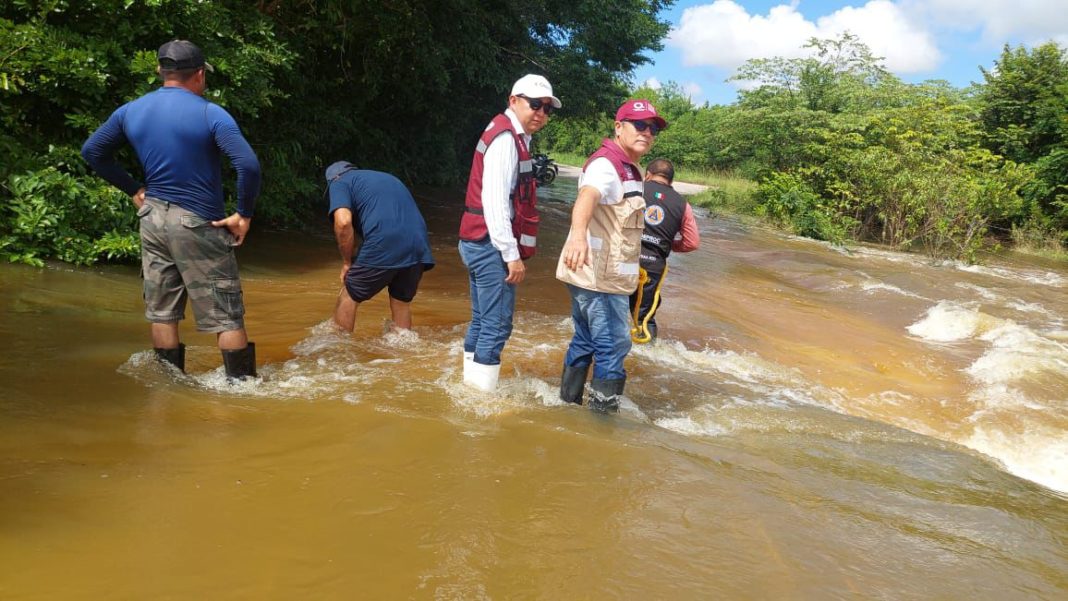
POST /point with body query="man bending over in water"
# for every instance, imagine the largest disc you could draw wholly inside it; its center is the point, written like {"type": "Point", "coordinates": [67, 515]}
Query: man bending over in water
{"type": "Point", "coordinates": [395, 250]}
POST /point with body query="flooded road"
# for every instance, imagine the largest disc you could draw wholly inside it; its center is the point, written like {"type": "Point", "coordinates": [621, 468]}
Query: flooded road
{"type": "Point", "coordinates": [817, 423]}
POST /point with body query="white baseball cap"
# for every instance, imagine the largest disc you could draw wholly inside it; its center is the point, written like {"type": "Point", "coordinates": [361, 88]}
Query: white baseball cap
{"type": "Point", "coordinates": [535, 86]}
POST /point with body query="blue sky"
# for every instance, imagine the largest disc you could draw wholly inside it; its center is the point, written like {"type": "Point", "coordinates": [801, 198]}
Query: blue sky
{"type": "Point", "coordinates": [920, 39]}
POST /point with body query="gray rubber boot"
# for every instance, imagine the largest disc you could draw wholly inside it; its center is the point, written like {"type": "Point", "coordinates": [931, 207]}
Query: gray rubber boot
{"type": "Point", "coordinates": [604, 394]}
{"type": "Point", "coordinates": [573, 382]}
{"type": "Point", "coordinates": [240, 364]}
{"type": "Point", "coordinates": [174, 356]}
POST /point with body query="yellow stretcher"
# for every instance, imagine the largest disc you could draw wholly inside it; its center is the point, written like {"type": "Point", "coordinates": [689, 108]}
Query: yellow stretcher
{"type": "Point", "coordinates": [639, 332]}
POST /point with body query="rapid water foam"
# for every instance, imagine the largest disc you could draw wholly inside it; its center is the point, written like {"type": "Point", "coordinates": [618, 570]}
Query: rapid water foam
{"type": "Point", "coordinates": [949, 321]}
{"type": "Point", "coordinates": [1043, 278]}
{"type": "Point", "coordinates": [1017, 376]}
{"type": "Point", "coordinates": [1038, 454]}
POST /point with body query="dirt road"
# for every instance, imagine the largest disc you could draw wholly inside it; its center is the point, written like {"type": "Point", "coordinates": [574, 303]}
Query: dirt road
{"type": "Point", "coordinates": [680, 187]}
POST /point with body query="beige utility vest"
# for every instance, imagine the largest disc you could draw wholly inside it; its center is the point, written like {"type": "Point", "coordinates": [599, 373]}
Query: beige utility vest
{"type": "Point", "coordinates": [614, 235]}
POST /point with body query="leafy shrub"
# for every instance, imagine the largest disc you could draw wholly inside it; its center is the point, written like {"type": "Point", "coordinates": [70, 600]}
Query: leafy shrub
{"type": "Point", "coordinates": [52, 214]}
{"type": "Point", "coordinates": [788, 199]}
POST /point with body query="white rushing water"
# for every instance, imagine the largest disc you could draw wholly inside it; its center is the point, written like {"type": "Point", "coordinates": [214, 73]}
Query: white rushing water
{"type": "Point", "coordinates": [1014, 410]}
{"type": "Point", "coordinates": [1010, 423]}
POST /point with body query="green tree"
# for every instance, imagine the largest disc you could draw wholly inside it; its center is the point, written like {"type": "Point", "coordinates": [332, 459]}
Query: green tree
{"type": "Point", "coordinates": [64, 66]}
{"type": "Point", "coordinates": [404, 86]}
{"type": "Point", "coordinates": [1025, 116]}
{"type": "Point", "coordinates": [840, 75]}
{"type": "Point", "coordinates": [846, 150]}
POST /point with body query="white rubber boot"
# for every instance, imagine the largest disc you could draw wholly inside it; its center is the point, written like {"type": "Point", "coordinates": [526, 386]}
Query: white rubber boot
{"type": "Point", "coordinates": [484, 377]}
{"type": "Point", "coordinates": [469, 358]}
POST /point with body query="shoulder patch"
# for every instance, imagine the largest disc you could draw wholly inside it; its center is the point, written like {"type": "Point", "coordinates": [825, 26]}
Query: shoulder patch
{"type": "Point", "coordinates": [654, 214]}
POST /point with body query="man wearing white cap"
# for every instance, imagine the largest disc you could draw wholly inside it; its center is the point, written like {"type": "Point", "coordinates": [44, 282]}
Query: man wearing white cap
{"type": "Point", "coordinates": [498, 230]}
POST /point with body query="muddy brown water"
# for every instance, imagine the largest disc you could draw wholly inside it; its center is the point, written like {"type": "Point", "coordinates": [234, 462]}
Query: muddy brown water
{"type": "Point", "coordinates": [818, 423]}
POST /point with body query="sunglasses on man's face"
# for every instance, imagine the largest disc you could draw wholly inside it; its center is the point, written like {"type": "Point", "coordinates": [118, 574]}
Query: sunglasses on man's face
{"type": "Point", "coordinates": [537, 104]}
{"type": "Point", "coordinates": [645, 125]}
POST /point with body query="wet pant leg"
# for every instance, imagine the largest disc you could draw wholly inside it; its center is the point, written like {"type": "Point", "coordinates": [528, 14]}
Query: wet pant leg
{"type": "Point", "coordinates": [492, 301]}
{"type": "Point", "coordinates": [602, 331]}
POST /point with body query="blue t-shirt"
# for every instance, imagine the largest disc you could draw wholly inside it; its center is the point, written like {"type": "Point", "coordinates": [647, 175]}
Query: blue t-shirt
{"type": "Point", "coordinates": [385, 216]}
{"type": "Point", "coordinates": [178, 137]}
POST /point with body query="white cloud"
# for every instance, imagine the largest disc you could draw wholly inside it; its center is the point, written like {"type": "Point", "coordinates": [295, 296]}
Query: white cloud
{"type": "Point", "coordinates": [888, 31]}
{"type": "Point", "coordinates": [723, 34]}
{"type": "Point", "coordinates": [652, 83]}
{"type": "Point", "coordinates": [693, 90]}
{"type": "Point", "coordinates": [1000, 21]}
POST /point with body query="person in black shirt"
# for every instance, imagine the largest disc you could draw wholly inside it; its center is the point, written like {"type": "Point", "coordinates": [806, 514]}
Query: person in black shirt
{"type": "Point", "coordinates": [669, 226]}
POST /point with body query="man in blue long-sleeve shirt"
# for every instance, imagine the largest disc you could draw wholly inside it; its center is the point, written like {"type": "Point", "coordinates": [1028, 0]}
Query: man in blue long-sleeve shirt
{"type": "Point", "coordinates": [187, 241]}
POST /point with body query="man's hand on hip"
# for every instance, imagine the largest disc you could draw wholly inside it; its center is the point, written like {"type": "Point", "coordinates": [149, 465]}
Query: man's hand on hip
{"type": "Point", "coordinates": [516, 272]}
{"type": "Point", "coordinates": [237, 225]}
{"type": "Point", "coordinates": [138, 198]}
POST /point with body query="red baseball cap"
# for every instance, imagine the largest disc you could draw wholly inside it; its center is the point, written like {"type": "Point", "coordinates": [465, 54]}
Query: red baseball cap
{"type": "Point", "coordinates": [639, 110]}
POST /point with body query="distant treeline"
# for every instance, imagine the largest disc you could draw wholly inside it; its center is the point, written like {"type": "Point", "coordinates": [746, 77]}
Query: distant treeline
{"type": "Point", "coordinates": [403, 86]}
{"type": "Point", "coordinates": [844, 150]}
{"type": "Point", "coordinates": [841, 148]}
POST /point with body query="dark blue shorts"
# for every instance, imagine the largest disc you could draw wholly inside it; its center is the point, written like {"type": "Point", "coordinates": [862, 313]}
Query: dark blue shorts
{"type": "Point", "coordinates": [363, 283]}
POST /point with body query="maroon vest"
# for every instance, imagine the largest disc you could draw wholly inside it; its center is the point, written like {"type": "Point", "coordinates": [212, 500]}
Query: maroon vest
{"type": "Point", "coordinates": [524, 196]}
{"type": "Point", "coordinates": [627, 171]}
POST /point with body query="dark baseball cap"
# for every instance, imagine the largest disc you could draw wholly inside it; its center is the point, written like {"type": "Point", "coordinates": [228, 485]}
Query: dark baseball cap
{"type": "Point", "coordinates": [178, 55]}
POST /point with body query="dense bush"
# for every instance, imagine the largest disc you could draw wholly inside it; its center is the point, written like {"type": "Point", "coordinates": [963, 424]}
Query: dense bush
{"type": "Point", "coordinates": [78, 220]}
{"type": "Point", "coordinates": [64, 66]}
{"type": "Point", "coordinates": [844, 150]}
{"type": "Point", "coordinates": [1024, 114]}
{"type": "Point", "coordinates": [787, 199]}
{"type": "Point", "coordinates": [404, 86]}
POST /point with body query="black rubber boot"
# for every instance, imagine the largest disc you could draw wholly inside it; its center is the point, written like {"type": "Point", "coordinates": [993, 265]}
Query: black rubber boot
{"type": "Point", "coordinates": [240, 364]}
{"type": "Point", "coordinates": [604, 394]}
{"type": "Point", "coordinates": [573, 382]}
{"type": "Point", "coordinates": [174, 356]}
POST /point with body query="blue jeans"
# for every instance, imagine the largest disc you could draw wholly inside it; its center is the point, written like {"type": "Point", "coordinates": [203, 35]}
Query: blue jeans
{"type": "Point", "coordinates": [492, 301]}
{"type": "Point", "coordinates": [602, 332]}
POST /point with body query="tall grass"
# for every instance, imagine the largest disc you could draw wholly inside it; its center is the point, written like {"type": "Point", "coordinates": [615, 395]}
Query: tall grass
{"type": "Point", "coordinates": [1034, 238]}
{"type": "Point", "coordinates": [727, 192]}
{"type": "Point", "coordinates": [567, 158]}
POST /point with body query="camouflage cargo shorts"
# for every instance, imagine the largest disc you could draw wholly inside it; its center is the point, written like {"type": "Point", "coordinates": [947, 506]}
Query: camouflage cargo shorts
{"type": "Point", "coordinates": [184, 256]}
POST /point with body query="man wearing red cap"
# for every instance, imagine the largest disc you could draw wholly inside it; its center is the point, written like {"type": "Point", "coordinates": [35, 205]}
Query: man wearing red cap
{"type": "Point", "coordinates": [599, 261]}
